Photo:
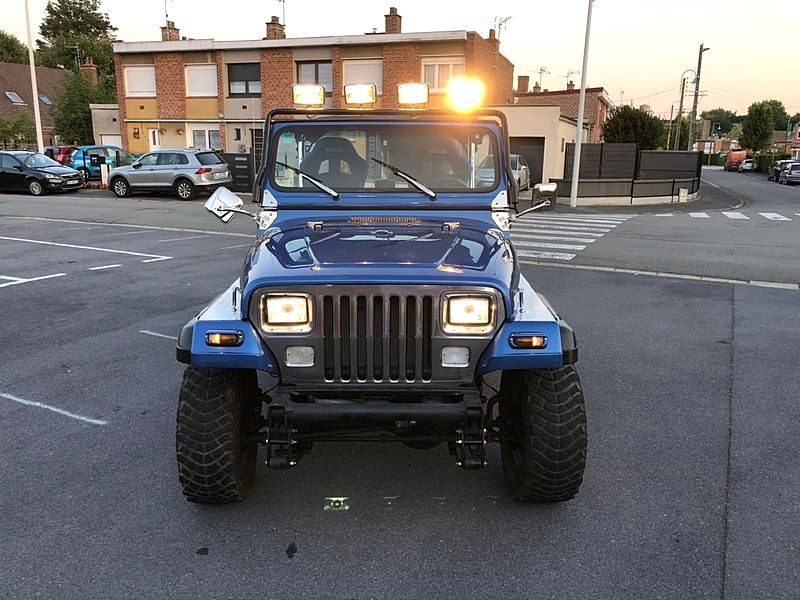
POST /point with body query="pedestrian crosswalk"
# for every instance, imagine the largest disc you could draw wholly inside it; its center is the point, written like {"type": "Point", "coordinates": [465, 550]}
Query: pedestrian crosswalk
{"type": "Point", "coordinates": [560, 237]}
{"type": "Point", "coordinates": [736, 216]}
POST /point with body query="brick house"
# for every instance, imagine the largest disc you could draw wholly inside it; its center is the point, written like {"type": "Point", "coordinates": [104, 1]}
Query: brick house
{"type": "Point", "coordinates": [598, 104]}
{"type": "Point", "coordinates": [180, 92]}
{"type": "Point", "coordinates": [788, 142]}
{"type": "Point", "coordinates": [16, 94]}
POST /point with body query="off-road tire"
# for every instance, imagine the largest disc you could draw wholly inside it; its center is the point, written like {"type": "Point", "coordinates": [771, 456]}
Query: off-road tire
{"type": "Point", "coordinates": [217, 410]}
{"type": "Point", "coordinates": [184, 189]}
{"type": "Point", "coordinates": [543, 420]}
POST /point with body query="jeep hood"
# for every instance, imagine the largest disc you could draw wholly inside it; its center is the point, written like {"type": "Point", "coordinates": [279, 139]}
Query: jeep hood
{"type": "Point", "coordinates": [394, 249]}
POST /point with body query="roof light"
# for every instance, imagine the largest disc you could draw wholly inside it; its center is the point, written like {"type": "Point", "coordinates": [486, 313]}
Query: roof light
{"type": "Point", "coordinates": [308, 95]}
{"type": "Point", "coordinates": [360, 93]}
{"type": "Point", "coordinates": [14, 97]}
{"type": "Point", "coordinates": [412, 93]}
{"type": "Point", "coordinates": [465, 94]}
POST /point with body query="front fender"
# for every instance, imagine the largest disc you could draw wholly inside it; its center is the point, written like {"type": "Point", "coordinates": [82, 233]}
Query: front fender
{"type": "Point", "coordinates": [534, 317]}
{"type": "Point", "coordinates": [224, 314]}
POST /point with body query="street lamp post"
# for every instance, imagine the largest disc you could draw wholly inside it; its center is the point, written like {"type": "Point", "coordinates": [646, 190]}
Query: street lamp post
{"type": "Point", "coordinates": [696, 94]}
{"type": "Point", "coordinates": [576, 162]}
{"type": "Point", "coordinates": [37, 115]}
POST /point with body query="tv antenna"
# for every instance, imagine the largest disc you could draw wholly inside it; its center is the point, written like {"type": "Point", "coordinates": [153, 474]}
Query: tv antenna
{"type": "Point", "coordinates": [166, 11]}
{"type": "Point", "coordinates": [542, 72]}
{"type": "Point", "coordinates": [500, 24]}
{"type": "Point", "coordinates": [570, 74]}
{"type": "Point", "coordinates": [283, 7]}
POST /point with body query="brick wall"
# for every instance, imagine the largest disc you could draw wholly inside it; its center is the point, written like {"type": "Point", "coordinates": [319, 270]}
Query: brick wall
{"type": "Point", "coordinates": [401, 64]}
{"type": "Point", "coordinates": [170, 85]}
{"type": "Point", "coordinates": [595, 111]}
{"type": "Point", "coordinates": [277, 77]}
{"type": "Point", "coordinates": [221, 92]}
{"type": "Point", "coordinates": [484, 61]}
{"type": "Point", "coordinates": [119, 73]}
{"type": "Point", "coordinates": [338, 77]}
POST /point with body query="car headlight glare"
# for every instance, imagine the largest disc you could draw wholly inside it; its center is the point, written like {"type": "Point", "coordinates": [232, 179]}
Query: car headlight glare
{"type": "Point", "coordinates": [286, 313]}
{"type": "Point", "coordinates": [468, 314]}
{"type": "Point", "coordinates": [50, 177]}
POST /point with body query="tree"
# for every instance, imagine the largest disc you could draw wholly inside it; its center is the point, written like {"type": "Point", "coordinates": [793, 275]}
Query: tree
{"type": "Point", "coordinates": [18, 131]}
{"type": "Point", "coordinates": [736, 132]}
{"type": "Point", "coordinates": [69, 18]}
{"type": "Point", "coordinates": [779, 114]}
{"type": "Point", "coordinates": [671, 131]}
{"type": "Point", "coordinates": [725, 118]}
{"type": "Point", "coordinates": [628, 124]}
{"type": "Point", "coordinates": [72, 116]}
{"type": "Point", "coordinates": [758, 126]}
{"type": "Point", "coordinates": [11, 49]}
{"type": "Point", "coordinates": [72, 50]}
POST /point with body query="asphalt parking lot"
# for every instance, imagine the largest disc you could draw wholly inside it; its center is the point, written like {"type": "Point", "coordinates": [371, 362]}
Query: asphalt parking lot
{"type": "Point", "coordinates": [690, 489]}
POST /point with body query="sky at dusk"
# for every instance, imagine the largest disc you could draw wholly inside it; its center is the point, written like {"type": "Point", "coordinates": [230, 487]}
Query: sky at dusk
{"type": "Point", "coordinates": [638, 50]}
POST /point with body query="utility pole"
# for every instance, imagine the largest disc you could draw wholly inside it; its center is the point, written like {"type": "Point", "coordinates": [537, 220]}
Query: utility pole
{"type": "Point", "coordinates": [37, 115]}
{"type": "Point", "coordinates": [696, 95]}
{"type": "Point", "coordinates": [680, 117]}
{"type": "Point", "coordinates": [576, 161]}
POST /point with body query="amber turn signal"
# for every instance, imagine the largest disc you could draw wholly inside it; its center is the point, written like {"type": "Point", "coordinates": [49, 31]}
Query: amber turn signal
{"type": "Point", "coordinates": [525, 340]}
{"type": "Point", "coordinates": [224, 338]}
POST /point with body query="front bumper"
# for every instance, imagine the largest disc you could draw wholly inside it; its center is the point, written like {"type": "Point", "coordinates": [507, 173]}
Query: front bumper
{"type": "Point", "coordinates": [73, 183]}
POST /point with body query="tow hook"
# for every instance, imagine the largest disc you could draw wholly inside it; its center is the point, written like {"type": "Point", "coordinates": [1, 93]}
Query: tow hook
{"type": "Point", "coordinates": [470, 446]}
{"type": "Point", "coordinates": [279, 440]}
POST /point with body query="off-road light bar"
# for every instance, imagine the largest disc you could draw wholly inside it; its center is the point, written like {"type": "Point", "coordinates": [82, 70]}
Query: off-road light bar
{"type": "Point", "coordinates": [224, 338]}
{"type": "Point", "coordinates": [527, 340]}
{"type": "Point", "coordinates": [308, 95]}
{"type": "Point", "coordinates": [465, 94]}
{"type": "Point", "coordinates": [360, 93]}
{"type": "Point", "coordinates": [412, 94]}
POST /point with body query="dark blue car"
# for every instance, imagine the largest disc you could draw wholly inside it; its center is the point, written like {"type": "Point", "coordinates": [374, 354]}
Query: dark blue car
{"type": "Point", "coordinates": [81, 159]}
{"type": "Point", "coordinates": [381, 291]}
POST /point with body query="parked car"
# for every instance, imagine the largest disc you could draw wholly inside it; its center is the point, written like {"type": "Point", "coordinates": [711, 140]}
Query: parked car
{"type": "Point", "coordinates": [734, 159]}
{"type": "Point", "coordinates": [790, 174]}
{"type": "Point", "coordinates": [60, 154]}
{"type": "Point", "coordinates": [522, 172]}
{"type": "Point", "coordinates": [182, 172]}
{"type": "Point", "coordinates": [21, 170]}
{"type": "Point", "coordinates": [748, 164]}
{"type": "Point", "coordinates": [775, 169]}
{"type": "Point", "coordinates": [81, 159]}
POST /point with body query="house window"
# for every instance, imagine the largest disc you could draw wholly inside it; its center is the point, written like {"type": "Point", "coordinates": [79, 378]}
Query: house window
{"type": "Point", "coordinates": [206, 138]}
{"type": "Point", "coordinates": [364, 71]}
{"type": "Point", "coordinates": [244, 79]}
{"type": "Point", "coordinates": [437, 72]}
{"type": "Point", "coordinates": [562, 144]}
{"type": "Point", "coordinates": [15, 99]}
{"type": "Point", "coordinates": [140, 82]}
{"type": "Point", "coordinates": [45, 100]}
{"type": "Point", "coordinates": [320, 73]}
{"type": "Point", "coordinates": [237, 134]}
{"type": "Point", "coordinates": [201, 81]}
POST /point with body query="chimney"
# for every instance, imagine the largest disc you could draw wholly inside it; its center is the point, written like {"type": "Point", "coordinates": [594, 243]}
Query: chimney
{"type": "Point", "coordinates": [89, 70]}
{"type": "Point", "coordinates": [170, 33]}
{"type": "Point", "coordinates": [537, 88]}
{"type": "Point", "coordinates": [495, 43]}
{"type": "Point", "coordinates": [523, 84]}
{"type": "Point", "coordinates": [393, 21]}
{"type": "Point", "coordinates": [275, 29]}
{"type": "Point", "coordinates": [571, 85]}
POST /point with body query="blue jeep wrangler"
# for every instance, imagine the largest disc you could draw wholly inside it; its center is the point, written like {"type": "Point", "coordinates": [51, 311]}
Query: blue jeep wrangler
{"type": "Point", "coordinates": [381, 290]}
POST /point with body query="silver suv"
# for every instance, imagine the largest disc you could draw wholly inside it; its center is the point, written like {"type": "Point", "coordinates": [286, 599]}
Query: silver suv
{"type": "Point", "coordinates": [185, 173]}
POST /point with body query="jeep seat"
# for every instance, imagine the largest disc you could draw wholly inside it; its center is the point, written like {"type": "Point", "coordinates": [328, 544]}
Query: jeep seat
{"type": "Point", "coordinates": [335, 161]}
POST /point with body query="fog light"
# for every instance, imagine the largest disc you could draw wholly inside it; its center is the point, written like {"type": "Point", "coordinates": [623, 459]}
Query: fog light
{"type": "Point", "coordinates": [224, 338]}
{"type": "Point", "coordinates": [300, 356]}
{"type": "Point", "coordinates": [455, 356]}
{"type": "Point", "coordinates": [526, 340]}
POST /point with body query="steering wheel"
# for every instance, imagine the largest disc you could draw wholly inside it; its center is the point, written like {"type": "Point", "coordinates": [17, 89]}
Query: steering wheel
{"type": "Point", "coordinates": [447, 183]}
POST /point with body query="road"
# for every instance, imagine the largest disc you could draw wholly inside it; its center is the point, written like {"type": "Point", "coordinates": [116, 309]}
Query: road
{"type": "Point", "coordinates": [691, 486]}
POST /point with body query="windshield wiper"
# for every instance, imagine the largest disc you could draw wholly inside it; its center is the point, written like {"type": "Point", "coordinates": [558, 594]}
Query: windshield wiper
{"type": "Point", "coordinates": [403, 175]}
{"type": "Point", "coordinates": [330, 191]}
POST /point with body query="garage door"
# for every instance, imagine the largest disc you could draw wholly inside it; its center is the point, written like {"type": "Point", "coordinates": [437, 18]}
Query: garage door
{"type": "Point", "coordinates": [111, 140]}
{"type": "Point", "coordinates": [532, 148]}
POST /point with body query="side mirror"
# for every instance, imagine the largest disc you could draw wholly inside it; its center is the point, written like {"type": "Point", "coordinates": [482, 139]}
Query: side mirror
{"type": "Point", "coordinates": [224, 205]}
{"type": "Point", "coordinates": [136, 165]}
{"type": "Point", "coordinates": [544, 196]}
{"type": "Point", "coordinates": [19, 167]}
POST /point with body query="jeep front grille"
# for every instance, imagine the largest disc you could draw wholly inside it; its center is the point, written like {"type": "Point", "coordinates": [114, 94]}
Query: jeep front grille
{"type": "Point", "coordinates": [377, 338]}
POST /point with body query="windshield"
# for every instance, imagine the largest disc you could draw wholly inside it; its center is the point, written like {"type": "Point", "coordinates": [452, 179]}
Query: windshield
{"type": "Point", "coordinates": [441, 157]}
{"type": "Point", "coordinates": [37, 161]}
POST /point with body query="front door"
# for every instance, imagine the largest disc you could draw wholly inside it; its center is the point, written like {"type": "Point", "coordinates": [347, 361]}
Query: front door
{"type": "Point", "coordinates": [154, 138]}
{"type": "Point", "coordinates": [144, 175]}
{"type": "Point", "coordinates": [11, 177]}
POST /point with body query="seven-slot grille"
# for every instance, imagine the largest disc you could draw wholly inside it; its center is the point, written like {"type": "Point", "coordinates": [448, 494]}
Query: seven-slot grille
{"type": "Point", "coordinates": [377, 338]}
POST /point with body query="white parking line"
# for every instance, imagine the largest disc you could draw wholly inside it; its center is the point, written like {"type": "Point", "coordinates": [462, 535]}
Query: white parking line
{"type": "Point", "coordinates": [54, 409]}
{"type": "Point", "coordinates": [17, 281]}
{"type": "Point", "coordinates": [155, 257]}
{"type": "Point", "coordinates": [774, 217]}
{"type": "Point", "coordinates": [735, 215]}
{"type": "Point", "coordinates": [554, 238]}
{"type": "Point", "coordinates": [550, 255]}
{"type": "Point", "coordinates": [180, 239]}
{"type": "Point", "coordinates": [237, 246]}
{"type": "Point", "coordinates": [158, 335]}
{"type": "Point", "coordinates": [575, 220]}
{"type": "Point", "coordinates": [516, 229]}
{"type": "Point", "coordinates": [524, 244]}
{"type": "Point", "coordinates": [664, 215]}
{"type": "Point", "coordinates": [543, 225]}
{"type": "Point", "coordinates": [135, 232]}
{"type": "Point", "coordinates": [10, 278]}
{"type": "Point", "coordinates": [100, 268]}
{"type": "Point", "coordinates": [699, 215]}
{"type": "Point", "coordinates": [74, 228]}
